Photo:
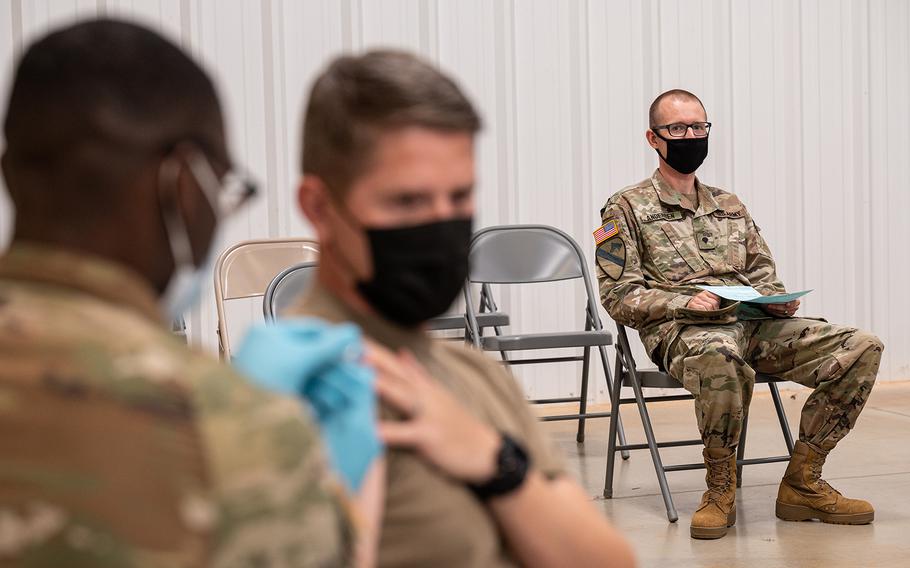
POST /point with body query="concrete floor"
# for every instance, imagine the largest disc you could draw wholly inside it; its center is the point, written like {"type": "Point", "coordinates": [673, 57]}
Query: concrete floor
{"type": "Point", "coordinates": [872, 463]}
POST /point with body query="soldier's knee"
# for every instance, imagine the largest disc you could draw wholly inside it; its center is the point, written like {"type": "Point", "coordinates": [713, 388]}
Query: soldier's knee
{"type": "Point", "coordinates": [877, 344]}
{"type": "Point", "coordinates": [721, 350]}
{"type": "Point", "coordinates": [868, 342]}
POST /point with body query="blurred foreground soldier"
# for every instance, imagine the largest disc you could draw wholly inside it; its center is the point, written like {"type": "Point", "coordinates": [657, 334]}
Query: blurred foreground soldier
{"type": "Point", "coordinates": [119, 446]}
{"type": "Point", "coordinates": [670, 233]}
{"type": "Point", "coordinates": [388, 184]}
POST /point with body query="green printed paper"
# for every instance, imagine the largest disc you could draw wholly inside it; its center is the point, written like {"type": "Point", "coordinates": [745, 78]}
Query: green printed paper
{"type": "Point", "coordinates": [750, 295]}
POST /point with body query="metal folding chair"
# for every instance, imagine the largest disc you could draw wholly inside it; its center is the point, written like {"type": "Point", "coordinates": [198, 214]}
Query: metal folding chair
{"type": "Point", "coordinates": [245, 270]}
{"type": "Point", "coordinates": [627, 374]}
{"type": "Point", "coordinates": [285, 288]}
{"type": "Point", "coordinates": [488, 316]}
{"type": "Point", "coordinates": [178, 328]}
{"type": "Point", "coordinates": [523, 254]}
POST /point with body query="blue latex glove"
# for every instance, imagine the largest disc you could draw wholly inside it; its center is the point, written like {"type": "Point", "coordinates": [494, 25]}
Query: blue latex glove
{"type": "Point", "coordinates": [320, 363]}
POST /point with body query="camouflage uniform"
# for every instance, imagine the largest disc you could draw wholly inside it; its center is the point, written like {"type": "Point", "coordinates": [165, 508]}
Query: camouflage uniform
{"type": "Point", "coordinates": [121, 447]}
{"type": "Point", "coordinates": [659, 248]}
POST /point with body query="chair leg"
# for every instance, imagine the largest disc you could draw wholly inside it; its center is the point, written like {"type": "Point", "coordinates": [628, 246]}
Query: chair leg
{"type": "Point", "coordinates": [487, 303]}
{"type": "Point", "coordinates": [221, 356]}
{"type": "Point", "coordinates": [741, 450]}
{"type": "Point", "coordinates": [672, 515]}
{"type": "Point", "coordinates": [615, 390]}
{"type": "Point", "coordinates": [610, 383]}
{"type": "Point", "coordinates": [782, 417]}
{"type": "Point", "coordinates": [583, 402]}
{"type": "Point", "coordinates": [498, 331]}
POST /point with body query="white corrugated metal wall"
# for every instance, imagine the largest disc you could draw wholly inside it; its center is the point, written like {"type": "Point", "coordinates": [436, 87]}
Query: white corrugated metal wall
{"type": "Point", "coordinates": [810, 101]}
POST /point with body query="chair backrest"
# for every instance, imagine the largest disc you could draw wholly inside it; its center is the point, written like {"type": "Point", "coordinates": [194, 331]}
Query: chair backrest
{"type": "Point", "coordinates": [524, 254]}
{"type": "Point", "coordinates": [245, 270]}
{"type": "Point", "coordinates": [285, 288]}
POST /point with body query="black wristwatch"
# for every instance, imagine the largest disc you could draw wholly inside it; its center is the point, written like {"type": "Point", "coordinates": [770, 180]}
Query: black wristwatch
{"type": "Point", "coordinates": [512, 465]}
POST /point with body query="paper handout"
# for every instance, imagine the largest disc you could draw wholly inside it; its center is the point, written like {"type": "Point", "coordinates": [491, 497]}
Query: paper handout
{"type": "Point", "coordinates": [750, 295]}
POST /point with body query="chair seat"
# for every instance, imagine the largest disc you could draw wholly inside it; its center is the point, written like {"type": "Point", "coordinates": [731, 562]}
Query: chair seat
{"type": "Point", "coordinates": [652, 379]}
{"type": "Point", "coordinates": [763, 378]}
{"type": "Point", "coordinates": [457, 321]}
{"type": "Point", "coordinates": [546, 340]}
{"type": "Point", "coordinates": [655, 379]}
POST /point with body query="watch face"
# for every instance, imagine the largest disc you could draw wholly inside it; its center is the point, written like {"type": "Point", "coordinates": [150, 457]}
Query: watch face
{"type": "Point", "coordinates": [508, 460]}
{"type": "Point", "coordinates": [512, 465]}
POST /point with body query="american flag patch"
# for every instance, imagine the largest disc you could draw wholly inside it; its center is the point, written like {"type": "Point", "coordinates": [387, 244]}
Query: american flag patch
{"type": "Point", "coordinates": [607, 230]}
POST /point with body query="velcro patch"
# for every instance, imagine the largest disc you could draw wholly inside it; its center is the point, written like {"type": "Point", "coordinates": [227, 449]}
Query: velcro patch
{"type": "Point", "coordinates": [611, 257]}
{"type": "Point", "coordinates": [706, 241]}
{"type": "Point", "coordinates": [663, 216]}
{"type": "Point", "coordinates": [606, 231]}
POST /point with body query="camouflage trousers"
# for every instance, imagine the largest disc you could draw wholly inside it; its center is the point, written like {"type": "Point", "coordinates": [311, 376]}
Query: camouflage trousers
{"type": "Point", "coordinates": [717, 364]}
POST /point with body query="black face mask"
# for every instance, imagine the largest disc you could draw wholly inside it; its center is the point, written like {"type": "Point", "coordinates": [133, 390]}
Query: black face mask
{"type": "Point", "coordinates": [684, 154]}
{"type": "Point", "coordinates": [417, 271]}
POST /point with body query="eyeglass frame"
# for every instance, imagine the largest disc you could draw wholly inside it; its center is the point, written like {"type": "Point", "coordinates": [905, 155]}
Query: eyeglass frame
{"type": "Point", "coordinates": [204, 172]}
{"type": "Point", "coordinates": [688, 127]}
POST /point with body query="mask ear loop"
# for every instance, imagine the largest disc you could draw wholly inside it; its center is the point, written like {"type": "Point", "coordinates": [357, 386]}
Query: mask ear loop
{"type": "Point", "coordinates": [342, 210]}
{"type": "Point", "coordinates": [207, 180]}
{"type": "Point", "coordinates": [657, 148]}
{"type": "Point", "coordinates": [337, 203]}
{"type": "Point", "coordinates": [177, 234]}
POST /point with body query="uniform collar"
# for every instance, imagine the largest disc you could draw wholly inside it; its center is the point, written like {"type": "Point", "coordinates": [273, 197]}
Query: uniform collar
{"type": "Point", "coordinates": [318, 301]}
{"type": "Point", "coordinates": [92, 275]}
{"type": "Point", "coordinates": [706, 202]}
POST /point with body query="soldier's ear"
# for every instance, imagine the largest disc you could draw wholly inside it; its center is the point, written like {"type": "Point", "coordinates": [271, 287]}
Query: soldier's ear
{"type": "Point", "coordinates": [313, 198]}
{"type": "Point", "coordinates": [651, 138]}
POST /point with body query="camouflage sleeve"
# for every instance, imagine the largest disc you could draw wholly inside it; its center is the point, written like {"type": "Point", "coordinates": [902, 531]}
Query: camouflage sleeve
{"type": "Point", "coordinates": [624, 292]}
{"type": "Point", "coordinates": [274, 494]}
{"type": "Point", "coordinates": [760, 268]}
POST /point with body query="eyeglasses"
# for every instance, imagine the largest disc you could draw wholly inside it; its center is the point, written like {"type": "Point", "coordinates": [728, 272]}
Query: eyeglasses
{"type": "Point", "coordinates": [236, 191]}
{"type": "Point", "coordinates": [679, 129]}
{"type": "Point", "coordinates": [226, 196]}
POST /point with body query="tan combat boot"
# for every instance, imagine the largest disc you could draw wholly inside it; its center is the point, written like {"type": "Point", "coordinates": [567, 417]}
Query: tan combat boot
{"type": "Point", "coordinates": [717, 511]}
{"type": "Point", "coordinates": [804, 495]}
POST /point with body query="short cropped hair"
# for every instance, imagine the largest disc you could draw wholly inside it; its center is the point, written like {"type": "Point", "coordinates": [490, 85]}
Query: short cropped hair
{"type": "Point", "coordinates": [681, 94]}
{"type": "Point", "coordinates": [89, 98]}
{"type": "Point", "coordinates": [358, 98]}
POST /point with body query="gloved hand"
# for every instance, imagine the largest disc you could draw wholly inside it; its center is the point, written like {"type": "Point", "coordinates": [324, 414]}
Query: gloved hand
{"type": "Point", "coordinates": [321, 363]}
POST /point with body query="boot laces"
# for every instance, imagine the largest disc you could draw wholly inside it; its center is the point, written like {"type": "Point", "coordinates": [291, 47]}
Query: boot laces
{"type": "Point", "coordinates": [718, 480]}
{"type": "Point", "coordinates": [815, 477]}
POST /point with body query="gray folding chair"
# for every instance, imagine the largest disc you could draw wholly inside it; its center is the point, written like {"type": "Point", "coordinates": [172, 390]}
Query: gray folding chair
{"type": "Point", "coordinates": [488, 316]}
{"type": "Point", "coordinates": [285, 288]}
{"type": "Point", "coordinates": [627, 374]}
{"type": "Point", "coordinates": [523, 254]}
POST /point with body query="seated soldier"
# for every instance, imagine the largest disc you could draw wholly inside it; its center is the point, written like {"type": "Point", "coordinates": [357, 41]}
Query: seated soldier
{"type": "Point", "coordinates": [120, 446]}
{"type": "Point", "coordinates": [388, 185]}
{"type": "Point", "coordinates": [670, 233]}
